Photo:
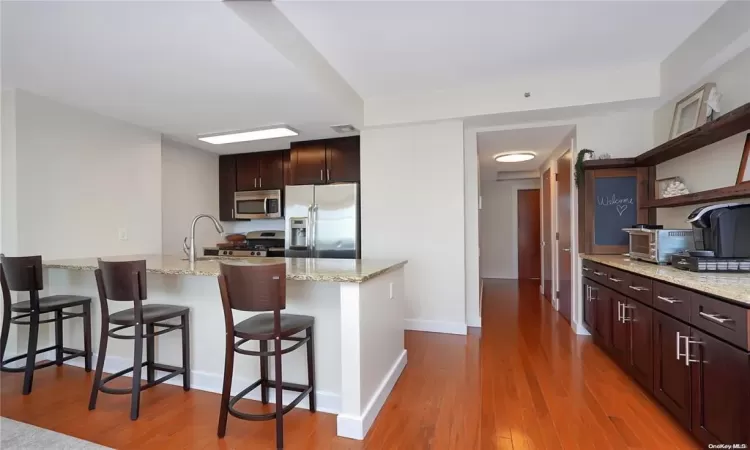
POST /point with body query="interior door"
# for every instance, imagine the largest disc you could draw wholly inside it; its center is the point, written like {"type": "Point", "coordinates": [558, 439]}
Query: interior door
{"type": "Point", "coordinates": [563, 227]}
{"type": "Point", "coordinates": [547, 232]}
{"type": "Point", "coordinates": [671, 375]}
{"type": "Point", "coordinates": [342, 160]}
{"type": "Point", "coordinates": [529, 235]}
{"type": "Point", "coordinates": [641, 357]}
{"type": "Point", "coordinates": [721, 391]}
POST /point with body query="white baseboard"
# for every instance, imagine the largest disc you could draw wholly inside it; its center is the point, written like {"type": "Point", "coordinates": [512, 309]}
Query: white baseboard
{"type": "Point", "coordinates": [579, 329]}
{"type": "Point", "coordinates": [327, 402]}
{"type": "Point", "coordinates": [474, 322]}
{"type": "Point", "coordinates": [357, 427]}
{"type": "Point", "coordinates": [435, 326]}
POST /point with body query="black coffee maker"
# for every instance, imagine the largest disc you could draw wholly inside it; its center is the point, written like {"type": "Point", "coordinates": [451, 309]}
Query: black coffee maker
{"type": "Point", "coordinates": [721, 231]}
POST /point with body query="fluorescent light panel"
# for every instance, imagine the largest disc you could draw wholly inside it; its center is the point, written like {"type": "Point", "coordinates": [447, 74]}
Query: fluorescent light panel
{"type": "Point", "coordinates": [253, 135]}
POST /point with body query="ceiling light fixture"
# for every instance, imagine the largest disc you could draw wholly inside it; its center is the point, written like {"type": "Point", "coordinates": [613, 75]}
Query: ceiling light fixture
{"type": "Point", "coordinates": [277, 131]}
{"type": "Point", "coordinates": [514, 157]}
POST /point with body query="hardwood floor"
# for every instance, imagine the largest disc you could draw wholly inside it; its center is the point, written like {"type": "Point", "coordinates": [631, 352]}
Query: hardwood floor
{"type": "Point", "coordinates": [526, 382]}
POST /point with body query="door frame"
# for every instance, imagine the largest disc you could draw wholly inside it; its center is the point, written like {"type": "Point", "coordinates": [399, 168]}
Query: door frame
{"type": "Point", "coordinates": [547, 213]}
{"type": "Point", "coordinates": [560, 254]}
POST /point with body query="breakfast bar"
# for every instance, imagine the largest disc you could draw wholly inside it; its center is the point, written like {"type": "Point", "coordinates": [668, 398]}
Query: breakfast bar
{"type": "Point", "coordinates": [358, 307]}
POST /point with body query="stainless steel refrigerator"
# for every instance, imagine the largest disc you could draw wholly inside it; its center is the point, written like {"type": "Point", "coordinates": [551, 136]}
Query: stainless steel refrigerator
{"type": "Point", "coordinates": [322, 221]}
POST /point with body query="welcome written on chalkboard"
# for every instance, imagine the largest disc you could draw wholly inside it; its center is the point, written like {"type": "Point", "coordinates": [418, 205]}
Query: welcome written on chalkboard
{"type": "Point", "coordinates": [620, 204]}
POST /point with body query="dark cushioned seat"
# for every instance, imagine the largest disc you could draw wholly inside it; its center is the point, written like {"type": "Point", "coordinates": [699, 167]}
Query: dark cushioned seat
{"type": "Point", "coordinates": [151, 313]}
{"type": "Point", "coordinates": [52, 303]}
{"type": "Point", "coordinates": [260, 327]}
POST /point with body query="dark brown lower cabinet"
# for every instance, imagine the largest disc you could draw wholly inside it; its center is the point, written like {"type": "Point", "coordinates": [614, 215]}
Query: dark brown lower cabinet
{"type": "Point", "coordinates": [603, 322]}
{"type": "Point", "coordinates": [590, 294]}
{"type": "Point", "coordinates": [671, 374]}
{"type": "Point", "coordinates": [640, 356]}
{"type": "Point", "coordinates": [721, 391]}
{"type": "Point", "coordinates": [620, 335]}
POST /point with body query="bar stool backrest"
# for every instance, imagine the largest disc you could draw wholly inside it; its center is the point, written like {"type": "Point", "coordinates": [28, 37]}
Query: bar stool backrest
{"type": "Point", "coordinates": [21, 273]}
{"type": "Point", "coordinates": [122, 280]}
{"type": "Point", "coordinates": [260, 287]}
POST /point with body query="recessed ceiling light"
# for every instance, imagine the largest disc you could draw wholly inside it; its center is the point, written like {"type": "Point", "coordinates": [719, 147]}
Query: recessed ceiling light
{"type": "Point", "coordinates": [251, 135]}
{"type": "Point", "coordinates": [515, 156]}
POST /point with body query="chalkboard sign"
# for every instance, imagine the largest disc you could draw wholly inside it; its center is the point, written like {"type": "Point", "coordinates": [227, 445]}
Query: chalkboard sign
{"type": "Point", "coordinates": [615, 208]}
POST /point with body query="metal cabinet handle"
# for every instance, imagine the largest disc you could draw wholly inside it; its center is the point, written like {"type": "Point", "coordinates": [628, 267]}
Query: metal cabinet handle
{"type": "Point", "coordinates": [619, 312]}
{"type": "Point", "coordinates": [668, 299]}
{"type": "Point", "coordinates": [715, 317]}
{"type": "Point", "coordinates": [688, 341]}
{"type": "Point", "coordinates": [638, 288]}
{"type": "Point", "coordinates": [255, 182]}
{"type": "Point", "coordinates": [586, 269]}
{"type": "Point", "coordinates": [616, 280]}
{"type": "Point", "coordinates": [328, 174]}
{"type": "Point", "coordinates": [321, 174]}
{"type": "Point", "coordinates": [232, 213]}
{"type": "Point", "coordinates": [625, 317]}
{"type": "Point", "coordinates": [260, 182]}
{"type": "Point", "coordinates": [601, 274]}
{"type": "Point", "coordinates": [679, 338]}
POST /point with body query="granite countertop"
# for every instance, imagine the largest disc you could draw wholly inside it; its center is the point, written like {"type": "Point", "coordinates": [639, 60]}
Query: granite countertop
{"type": "Point", "coordinates": [300, 269]}
{"type": "Point", "coordinates": [731, 286]}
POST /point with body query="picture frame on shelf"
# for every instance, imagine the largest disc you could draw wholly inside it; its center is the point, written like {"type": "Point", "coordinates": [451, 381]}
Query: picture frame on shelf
{"type": "Point", "coordinates": [743, 176]}
{"type": "Point", "coordinates": [690, 112]}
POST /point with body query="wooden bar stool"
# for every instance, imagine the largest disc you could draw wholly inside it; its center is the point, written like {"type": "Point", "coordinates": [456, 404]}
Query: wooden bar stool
{"type": "Point", "coordinates": [262, 288]}
{"type": "Point", "coordinates": [24, 273]}
{"type": "Point", "coordinates": [126, 281]}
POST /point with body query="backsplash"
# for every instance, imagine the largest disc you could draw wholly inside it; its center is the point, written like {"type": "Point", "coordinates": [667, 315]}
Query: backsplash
{"type": "Point", "coordinates": [243, 226]}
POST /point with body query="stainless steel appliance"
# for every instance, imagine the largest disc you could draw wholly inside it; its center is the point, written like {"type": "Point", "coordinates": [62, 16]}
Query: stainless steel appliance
{"type": "Point", "coordinates": [257, 204]}
{"type": "Point", "coordinates": [722, 231]}
{"type": "Point", "coordinates": [257, 243]}
{"type": "Point", "coordinates": [654, 244]}
{"type": "Point", "coordinates": [322, 221]}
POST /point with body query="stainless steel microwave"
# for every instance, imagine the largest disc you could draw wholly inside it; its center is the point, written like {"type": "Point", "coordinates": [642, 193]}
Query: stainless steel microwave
{"type": "Point", "coordinates": [257, 204]}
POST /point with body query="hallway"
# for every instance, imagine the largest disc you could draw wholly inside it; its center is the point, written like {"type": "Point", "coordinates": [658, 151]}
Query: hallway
{"type": "Point", "coordinates": [527, 382]}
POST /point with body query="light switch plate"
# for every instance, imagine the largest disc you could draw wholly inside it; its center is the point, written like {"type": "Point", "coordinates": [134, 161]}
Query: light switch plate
{"type": "Point", "coordinates": [122, 234]}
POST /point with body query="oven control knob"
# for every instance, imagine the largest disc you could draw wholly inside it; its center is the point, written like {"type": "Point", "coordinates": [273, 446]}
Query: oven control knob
{"type": "Point", "coordinates": [252, 253]}
{"type": "Point", "coordinates": [230, 252]}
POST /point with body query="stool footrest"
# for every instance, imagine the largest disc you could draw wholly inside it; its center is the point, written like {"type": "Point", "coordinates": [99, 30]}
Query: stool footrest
{"type": "Point", "coordinates": [173, 372]}
{"type": "Point", "coordinates": [302, 389]}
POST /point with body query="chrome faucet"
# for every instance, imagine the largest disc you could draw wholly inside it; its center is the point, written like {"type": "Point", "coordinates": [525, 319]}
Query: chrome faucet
{"type": "Point", "coordinates": [190, 250]}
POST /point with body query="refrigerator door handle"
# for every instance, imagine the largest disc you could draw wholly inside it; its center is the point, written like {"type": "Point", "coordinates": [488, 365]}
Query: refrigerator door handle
{"type": "Point", "coordinates": [308, 236]}
{"type": "Point", "coordinates": [315, 230]}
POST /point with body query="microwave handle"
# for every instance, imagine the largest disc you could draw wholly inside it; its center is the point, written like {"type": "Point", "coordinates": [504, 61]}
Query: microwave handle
{"type": "Point", "coordinates": [265, 206]}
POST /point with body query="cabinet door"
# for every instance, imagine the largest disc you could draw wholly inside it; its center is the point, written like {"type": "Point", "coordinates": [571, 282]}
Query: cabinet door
{"type": "Point", "coordinates": [620, 330]}
{"type": "Point", "coordinates": [603, 320]}
{"type": "Point", "coordinates": [247, 172]}
{"type": "Point", "coordinates": [671, 375]}
{"type": "Point", "coordinates": [342, 160]}
{"type": "Point", "coordinates": [721, 391]}
{"type": "Point", "coordinates": [307, 163]}
{"type": "Point", "coordinates": [590, 293]}
{"type": "Point", "coordinates": [227, 186]}
{"type": "Point", "coordinates": [641, 352]}
{"type": "Point", "coordinates": [271, 170]}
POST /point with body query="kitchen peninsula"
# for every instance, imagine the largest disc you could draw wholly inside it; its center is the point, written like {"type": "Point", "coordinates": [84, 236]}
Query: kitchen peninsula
{"type": "Point", "coordinates": [358, 307]}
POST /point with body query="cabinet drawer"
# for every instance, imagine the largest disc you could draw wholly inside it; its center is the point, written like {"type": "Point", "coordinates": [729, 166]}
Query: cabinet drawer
{"type": "Point", "coordinates": [639, 288]}
{"type": "Point", "coordinates": [722, 319]}
{"type": "Point", "coordinates": [672, 300]}
{"type": "Point", "coordinates": [617, 280]}
{"type": "Point", "coordinates": [588, 268]}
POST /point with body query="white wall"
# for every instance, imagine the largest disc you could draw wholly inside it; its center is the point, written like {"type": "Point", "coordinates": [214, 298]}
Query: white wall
{"type": "Point", "coordinates": [498, 240]}
{"type": "Point", "coordinates": [714, 166]}
{"type": "Point", "coordinates": [80, 178]}
{"type": "Point", "coordinates": [190, 186]}
{"type": "Point", "coordinates": [413, 208]}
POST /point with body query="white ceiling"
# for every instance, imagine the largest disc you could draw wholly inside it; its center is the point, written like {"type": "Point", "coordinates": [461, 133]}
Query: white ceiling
{"type": "Point", "coordinates": [389, 48]}
{"type": "Point", "coordinates": [542, 141]}
{"type": "Point", "coordinates": [180, 68]}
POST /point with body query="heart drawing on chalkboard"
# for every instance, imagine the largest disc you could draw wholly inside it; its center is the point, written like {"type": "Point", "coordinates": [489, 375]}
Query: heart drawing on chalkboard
{"type": "Point", "coordinates": [621, 209]}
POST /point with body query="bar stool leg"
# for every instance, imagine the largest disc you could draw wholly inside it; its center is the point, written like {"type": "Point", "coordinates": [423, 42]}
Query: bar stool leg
{"type": "Point", "coordinates": [58, 337]}
{"type": "Point", "coordinates": [185, 320]}
{"type": "Point", "coordinates": [135, 399]}
{"type": "Point", "coordinates": [28, 378]}
{"type": "Point", "coordinates": [279, 395]}
{"type": "Point", "coordinates": [150, 372]}
{"type": "Point", "coordinates": [311, 367]}
{"type": "Point", "coordinates": [227, 387]}
{"type": "Point", "coordinates": [87, 336]}
{"type": "Point", "coordinates": [264, 386]}
{"type": "Point", "coordinates": [99, 364]}
{"type": "Point", "coordinates": [5, 333]}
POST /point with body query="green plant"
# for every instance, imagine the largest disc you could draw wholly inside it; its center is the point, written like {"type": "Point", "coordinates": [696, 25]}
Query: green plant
{"type": "Point", "coordinates": [579, 166]}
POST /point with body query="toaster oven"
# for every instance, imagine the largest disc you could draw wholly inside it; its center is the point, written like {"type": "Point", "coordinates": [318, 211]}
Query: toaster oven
{"type": "Point", "coordinates": [657, 245]}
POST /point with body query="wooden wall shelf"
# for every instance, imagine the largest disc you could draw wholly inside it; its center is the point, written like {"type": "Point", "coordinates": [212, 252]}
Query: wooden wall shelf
{"type": "Point", "coordinates": [731, 123]}
{"type": "Point", "coordinates": [712, 196]}
{"type": "Point", "coordinates": [613, 163]}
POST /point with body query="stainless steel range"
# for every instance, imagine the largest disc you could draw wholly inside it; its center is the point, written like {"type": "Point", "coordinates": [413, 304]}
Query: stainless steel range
{"type": "Point", "coordinates": [257, 243]}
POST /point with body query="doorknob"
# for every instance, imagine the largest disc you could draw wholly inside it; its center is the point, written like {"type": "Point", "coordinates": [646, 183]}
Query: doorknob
{"type": "Point", "coordinates": [566, 250]}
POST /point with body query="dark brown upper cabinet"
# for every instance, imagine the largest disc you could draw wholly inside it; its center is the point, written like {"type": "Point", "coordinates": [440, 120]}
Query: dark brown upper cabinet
{"type": "Point", "coordinates": [260, 171]}
{"type": "Point", "coordinates": [325, 161]}
{"type": "Point", "coordinates": [342, 160]}
{"type": "Point", "coordinates": [227, 186]}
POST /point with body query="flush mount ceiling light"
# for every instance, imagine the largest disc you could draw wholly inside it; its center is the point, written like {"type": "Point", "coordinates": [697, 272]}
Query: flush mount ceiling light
{"type": "Point", "coordinates": [250, 135]}
{"type": "Point", "coordinates": [514, 157]}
